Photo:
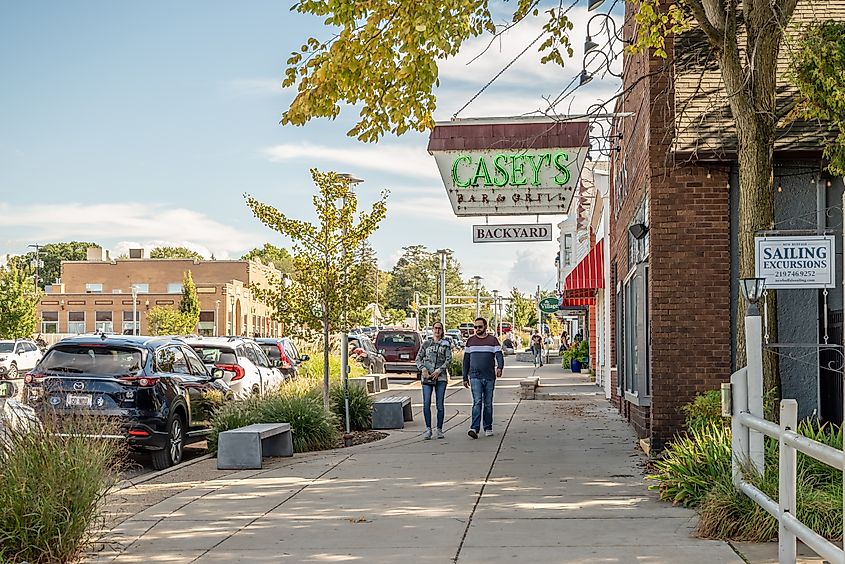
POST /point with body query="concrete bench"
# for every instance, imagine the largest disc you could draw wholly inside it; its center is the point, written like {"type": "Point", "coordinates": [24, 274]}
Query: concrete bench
{"type": "Point", "coordinates": [364, 382]}
{"type": "Point", "coordinates": [381, 382]}
{"type": "Point", "coordinates": [392, 412]}
{"type": "Point", "coordinates": [528, 387]}
{"type": "Point", "coordinates": [244, 447]}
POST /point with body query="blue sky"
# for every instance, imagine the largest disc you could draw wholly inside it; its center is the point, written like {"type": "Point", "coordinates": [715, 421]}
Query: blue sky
{"type": "Point", "coordinates": [129, 123]}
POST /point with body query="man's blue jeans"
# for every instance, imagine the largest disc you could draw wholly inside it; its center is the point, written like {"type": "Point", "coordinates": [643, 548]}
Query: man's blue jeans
{"type": "Point", "coordinates": [440, 395]}
{"type": "Point", "coordinates": [482, 402]}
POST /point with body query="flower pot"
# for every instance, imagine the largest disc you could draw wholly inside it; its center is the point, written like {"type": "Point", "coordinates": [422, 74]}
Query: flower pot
{"type": "Point", "coordinates": [575, 365]}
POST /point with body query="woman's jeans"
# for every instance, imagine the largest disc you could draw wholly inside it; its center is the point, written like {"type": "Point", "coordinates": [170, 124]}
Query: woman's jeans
{"type": "Point", "coordinates": [440, 393]}
{"type": "Point", "coordinates": [482, 397]}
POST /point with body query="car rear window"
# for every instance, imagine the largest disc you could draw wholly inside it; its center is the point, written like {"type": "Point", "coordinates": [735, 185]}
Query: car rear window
{"type": "Point", "coordinates": [272, 351]}
{"type": "Point", "coordinates": [99, 360]}
{"type": "Point", "coordinates": [397, 340]}
{"type": "Point", "coordinates": [215, 355]}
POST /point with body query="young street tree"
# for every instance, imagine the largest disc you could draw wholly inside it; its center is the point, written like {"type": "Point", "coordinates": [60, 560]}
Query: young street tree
{"type": "Point", "coordinates": [18, 303]}
{"type": "Point", "coordinates": [190, 305]}
{"type": "Point", "coordinates": [325, 286]}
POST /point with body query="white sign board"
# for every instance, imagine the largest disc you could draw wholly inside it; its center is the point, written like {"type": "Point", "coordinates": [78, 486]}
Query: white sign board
{"type": "Point", "coordinates": [511, 233]}
{"type": "Point", "coordinates": [796, 262]}
{"type": "Point", "coordinates": [520, 182]}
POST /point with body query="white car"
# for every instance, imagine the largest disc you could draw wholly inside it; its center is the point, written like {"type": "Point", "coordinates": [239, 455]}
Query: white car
{"type": "Point", "coordinates": [246, 368]}
{"type": "Point", "coordinates": [17, 357]}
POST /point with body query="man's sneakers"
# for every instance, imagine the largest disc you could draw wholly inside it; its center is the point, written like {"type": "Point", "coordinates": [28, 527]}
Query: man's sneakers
{"type": "Point", "coordinates": [427, 434]}
{"type": "Point", "coordinates": [472, 433]}
{"type": "Point", "coordinates": [488, 432]}
{"type": "Point", "coordinates": [440, 434]}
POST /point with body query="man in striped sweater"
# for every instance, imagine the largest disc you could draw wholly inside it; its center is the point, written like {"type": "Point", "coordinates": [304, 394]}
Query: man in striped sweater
{"type": "Point", "coordinates": [483, 363]}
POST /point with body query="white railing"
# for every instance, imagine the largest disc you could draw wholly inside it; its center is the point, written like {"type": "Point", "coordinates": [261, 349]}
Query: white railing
{"type": "Point", "coordinates": [748, 430]}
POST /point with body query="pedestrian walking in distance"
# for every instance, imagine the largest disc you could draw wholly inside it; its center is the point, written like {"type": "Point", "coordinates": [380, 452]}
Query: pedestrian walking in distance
{"type": "Point", "coordinates": [483, 364]}
{"type": "Point", "coordinates": [433, 363]}
{"type": "Point", "coordinates": [537, 348]}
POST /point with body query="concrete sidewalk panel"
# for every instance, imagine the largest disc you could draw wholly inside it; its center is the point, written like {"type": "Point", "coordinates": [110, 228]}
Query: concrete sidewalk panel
{"type": "Point", "coordinates": [661, 554]}
{"type": "Point", "coordinates": [431, 555]}
{"type": "Point", "coordinates": [565, 507]}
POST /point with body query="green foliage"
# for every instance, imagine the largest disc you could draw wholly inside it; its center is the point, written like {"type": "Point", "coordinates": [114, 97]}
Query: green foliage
{"type": "Point", "coordinates": [394, 316]}
{"type": "Point", "coordinates": [272, 255]}
{"type": "Point", "coordinates": [168, 321]}
{"type": "Point", "coordinates": [312, 427]}
{"type": "Point", "coordinates": [456, 365]}
{"type": "Point", "coordinates": [521, 309]}
{"type": "Point", "coordinates": [190, 304]}
{"type": "Point", "coordinates": [818, 69]}
{"type": "Point", "coordinates": [360, 407]}
{"type": "Point", "coordinates": [51, 256]}
{"type": "Point", "coordinates": [18, 303]}
{"type": "Point", "coordinates": [175, 253]}
{"type": "Point", "coordinates": [579, 350]}
{"type": "Point", "coordinates": [313, 368]}
{"type": "Point", "coordinates": [52, 489]}
{"type": "Point", "coordinates": [705, 409]}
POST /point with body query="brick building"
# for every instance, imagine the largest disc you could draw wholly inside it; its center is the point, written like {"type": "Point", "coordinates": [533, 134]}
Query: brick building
{"type": "Point", "coordinates": [673, 241]}
{"type": "Point", "coordinates": [96, 295]}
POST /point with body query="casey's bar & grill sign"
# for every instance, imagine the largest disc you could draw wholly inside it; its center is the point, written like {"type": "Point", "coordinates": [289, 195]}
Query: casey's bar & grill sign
{"type": "Point", "coordinates": [518, 166]}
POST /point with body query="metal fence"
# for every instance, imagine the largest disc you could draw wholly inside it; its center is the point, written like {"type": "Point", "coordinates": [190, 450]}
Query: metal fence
{"type": "Point", "coordinates": [748, 428]}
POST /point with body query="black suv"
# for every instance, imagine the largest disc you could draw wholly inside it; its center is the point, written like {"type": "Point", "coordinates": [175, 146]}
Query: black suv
{"type": "Point", "coordinates": [157, 388]}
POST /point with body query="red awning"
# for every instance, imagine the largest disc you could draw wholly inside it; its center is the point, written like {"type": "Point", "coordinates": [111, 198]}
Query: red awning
{"type": "Point", "coordinates": [581, 284]}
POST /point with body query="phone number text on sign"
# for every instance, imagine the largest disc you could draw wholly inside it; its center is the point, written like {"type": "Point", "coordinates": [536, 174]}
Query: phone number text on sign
{"type": "Point", "coordinates": [796, 262]}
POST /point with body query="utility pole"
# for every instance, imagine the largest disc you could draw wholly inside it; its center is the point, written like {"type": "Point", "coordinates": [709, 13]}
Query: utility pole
{"type": "Point", "coordinates": [478, 280]}
{"type": "Point", "coordinates": [496, 311]}
{"type": "Point", "coordinates": [539, 312]}
{"type": "Point", "coordinates": [216, 318]}
{"type": "Point", "coordinates": [134, 290]}
{"type": "Point", "coordinates": [444, 255]}
{"type": "Point", "coordinates": [37, 264]}
{"type": "Point", "coordinates": [427, 309]}
{"type": "Point", "coordinates": [417, 311]}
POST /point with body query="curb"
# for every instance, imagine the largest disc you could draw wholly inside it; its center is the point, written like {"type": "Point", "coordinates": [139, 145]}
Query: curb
{"type": "Point", "coordinates": [123, 484]}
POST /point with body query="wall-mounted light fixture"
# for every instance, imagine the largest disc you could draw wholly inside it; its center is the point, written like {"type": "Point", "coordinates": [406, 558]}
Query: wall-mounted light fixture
{"type": "Point", "coordinates": [62, 304]}
{"type": "Point", "coordinates": [147, 304]}
{"type": "Point", "coordinates": [752, 289]}
{"type": "Point", "coordinates": [638, 230]}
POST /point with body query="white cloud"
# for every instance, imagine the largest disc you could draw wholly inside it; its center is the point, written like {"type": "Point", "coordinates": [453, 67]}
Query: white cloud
{"type": "Point", "coordinates": [128, 220]}
{"type": "Point", "coordinates": [252, 87]}
{"type": "Point", "coordinates": [403, 160]}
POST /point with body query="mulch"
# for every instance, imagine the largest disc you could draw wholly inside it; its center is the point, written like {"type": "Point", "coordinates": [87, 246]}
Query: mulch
{"type": "Point", "coordinates": [361, 437]}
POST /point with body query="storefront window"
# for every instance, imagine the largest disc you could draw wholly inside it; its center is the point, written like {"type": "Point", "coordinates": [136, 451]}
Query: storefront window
{"type": "Point", "coordinates": [76, 322]}
{"type": "Point", "coordinates": [50, 322]}
{"type": "Point", "coordinates": [103, 322]}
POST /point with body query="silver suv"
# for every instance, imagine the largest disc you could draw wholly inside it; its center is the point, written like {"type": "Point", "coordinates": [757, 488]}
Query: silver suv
{"type": "Point", "coordinates": [246, 368]}
{"type": "Point", "coordinates": [17, 357]}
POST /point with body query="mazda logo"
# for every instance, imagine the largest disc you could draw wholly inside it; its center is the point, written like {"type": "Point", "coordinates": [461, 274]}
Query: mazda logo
{"type": "Point", "coordinates": [78, 386]}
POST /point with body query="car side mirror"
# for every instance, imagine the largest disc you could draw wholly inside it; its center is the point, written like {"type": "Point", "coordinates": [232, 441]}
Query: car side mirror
{"type": "Point", "coordinates": [304, 357]}
{"type": "Point", "coordinates": [217, 373]}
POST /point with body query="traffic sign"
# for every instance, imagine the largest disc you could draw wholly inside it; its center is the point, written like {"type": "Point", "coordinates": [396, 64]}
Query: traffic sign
{"type": "Point", "coordinates": [550, 304]}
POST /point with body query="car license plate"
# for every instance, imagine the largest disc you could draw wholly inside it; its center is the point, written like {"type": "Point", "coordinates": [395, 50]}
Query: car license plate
{"type": "Point", "coordinates": [404, 356]}
{"type": "Point", "coordinates": [73, 400]}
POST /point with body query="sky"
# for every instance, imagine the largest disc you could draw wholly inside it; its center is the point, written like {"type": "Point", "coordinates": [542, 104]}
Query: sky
{"type": "Point", "coordinates": [144, 123]}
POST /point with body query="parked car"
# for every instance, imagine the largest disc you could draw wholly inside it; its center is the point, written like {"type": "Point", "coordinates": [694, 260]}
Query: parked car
{"type": "Point", "coordinates": [16, 357]}
{"type": "Point", "coordinates": [246, 368]}
{"type": "Point", "coordinates": [455, 336]}
{"type": "Point", "coordinates": [364, 351]}
{"type": "Point", "coordinates": [156, 388]}
{"type": "Point", "coordinates": [283, 354]}
{"type": "Point", "coordinates": [466, 329]}
{"type": "Point", "coordinates": [399, 348]}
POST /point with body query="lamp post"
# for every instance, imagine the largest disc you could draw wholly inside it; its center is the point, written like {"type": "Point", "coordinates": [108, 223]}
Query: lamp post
{"type": "Point", "coordinates": [37, 264]}
{"type": "Point", "coordinates": [217, 318]}
{"type": "Point", "coordinates": [352, 180]}
{"type": "Point", "coordinates": [752, 289]}
{"type": "Point", "coordinates": [478, 280]}
{"type": "Point", "coordinates": [496, 311]}
{"type": "Point", "coordinates": [444, 255]}
{"type": "Point", "coordinates": [134, 290]}
{"type": "Point", "coordinates": [231, 330]}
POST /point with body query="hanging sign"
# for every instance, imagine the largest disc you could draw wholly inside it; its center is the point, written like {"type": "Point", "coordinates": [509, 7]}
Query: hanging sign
{"type": "Point", "coordinates": [804, 262]}
{"type": "Point", "coordinates": [510, 167]}
{"type": "Point", "coordinates": [511, 233]}
{"type": "Point", "coordinates": [550, 304]}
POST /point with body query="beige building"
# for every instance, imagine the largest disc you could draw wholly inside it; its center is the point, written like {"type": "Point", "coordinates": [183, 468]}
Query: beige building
{"type": "Point", "coordinates": [96, 295]}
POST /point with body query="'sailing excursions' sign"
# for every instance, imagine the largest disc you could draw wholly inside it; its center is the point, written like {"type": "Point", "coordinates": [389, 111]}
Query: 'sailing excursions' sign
{"type": "Point", "coordinates": [510, 166]}
{"type": "Point", "coordinates": [796, 262]}
{"type": "Point", "coordinates": [511, 233]}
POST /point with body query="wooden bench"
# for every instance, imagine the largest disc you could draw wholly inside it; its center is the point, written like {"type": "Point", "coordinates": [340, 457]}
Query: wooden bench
{"type": "Point", "coordinates": [365, 382]}
{"type": "Point", "coordinates": [392, 412]}
{"type": "Point", "coordinates": [244, 447]}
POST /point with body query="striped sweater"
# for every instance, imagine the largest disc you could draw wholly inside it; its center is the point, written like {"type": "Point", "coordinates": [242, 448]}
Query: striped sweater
{"type": "Point", "coordinates": [482, 356]}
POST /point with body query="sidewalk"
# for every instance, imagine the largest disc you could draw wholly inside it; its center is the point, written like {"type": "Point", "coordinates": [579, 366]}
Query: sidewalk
{"type": "Point", "coordinates": [561, 481]}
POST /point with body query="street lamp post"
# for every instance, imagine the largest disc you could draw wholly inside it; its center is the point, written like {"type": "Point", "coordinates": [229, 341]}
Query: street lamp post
{"type": "Point", "coordinates": [478, 280]}
{"type": "Point", "coordinates": [217, 318]}
{"type": "Point", "coordinates": [444, 254]}
{"type": "Point", "coordinates": [134, 290]}
{"type": "Point", "coordinates": [37, 264]}
{"type": "Point", "coordinates": [496, 311]}
{"type": "Point", "coordinates": [753, 288]}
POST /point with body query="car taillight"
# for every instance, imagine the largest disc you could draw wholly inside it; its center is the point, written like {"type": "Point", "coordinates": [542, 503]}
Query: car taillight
{"type": "Point", "coordinates": [32, 376]}
{"type": "Point", "coordinates": [141, 381]}
{"type": "Point", "coordinates": [236, 368]}
{"type": "Point", "coordinates": [137, 433]}
{"type": "Point", "coordinates": [285, 361]}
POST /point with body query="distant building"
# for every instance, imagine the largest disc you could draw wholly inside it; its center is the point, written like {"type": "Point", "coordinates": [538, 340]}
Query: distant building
{"type": "Point", "coordinates": [96, 295]}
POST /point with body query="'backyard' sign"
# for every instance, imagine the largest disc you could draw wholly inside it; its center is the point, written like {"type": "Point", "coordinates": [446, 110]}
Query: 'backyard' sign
{"type": "Point", "coordinates": [511, 233]}
{"type": "Point", "coordinates": [796, 262]}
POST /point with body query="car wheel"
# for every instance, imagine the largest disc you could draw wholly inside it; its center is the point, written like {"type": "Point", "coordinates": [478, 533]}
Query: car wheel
{"type": "Point", "coordinates": [171, 454]}
{"type": "Point", "coordinates": [256, 391]}
{"type": "Point", "coordinates": [13, 371]}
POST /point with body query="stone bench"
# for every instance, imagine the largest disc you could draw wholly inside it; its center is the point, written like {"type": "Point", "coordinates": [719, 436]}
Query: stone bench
{"type": "Point", "coordinates": [244, 447]}
{"type": "Point", "coordinates": [367, 383]}
{"type": "Point", "coordinates": [392, 412]}
{"type": "Point", "coordinates": [381, 382]}
{"type": "Point", "coordinates": [528, 387]}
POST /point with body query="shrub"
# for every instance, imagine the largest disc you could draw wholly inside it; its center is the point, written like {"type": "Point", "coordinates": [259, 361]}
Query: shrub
{"type": "Point", "coordinates": [312, 427]}
{"type": "Point", "coordinates": [705, 409]}
{"type": "Point", "coordinates": [313, 367]}
{"type": "Point", "coordinates": [360, 407]}
{"type": "Point", "coordinates": [456, 365]}
{"type": "Point", "coordinates": [52, 490]}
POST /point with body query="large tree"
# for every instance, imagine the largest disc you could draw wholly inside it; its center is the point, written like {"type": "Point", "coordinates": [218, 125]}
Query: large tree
{"type": "Point", "coordinates": [51, 256]}
{"type": "Point", "coordinates": [278, 257]}
{"type": "Point", "coordinates": [18, 303]}
{"type": "Point", "coordinates": [190, 304]}
{"type": "Point", "coordinates": [175, 252]}
{"type": "Point", "coordinates": [325, 287]}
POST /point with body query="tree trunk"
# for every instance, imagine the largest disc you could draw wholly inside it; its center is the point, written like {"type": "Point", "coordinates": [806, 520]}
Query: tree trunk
{"type": "Point", "coordinates": [326, 356]}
